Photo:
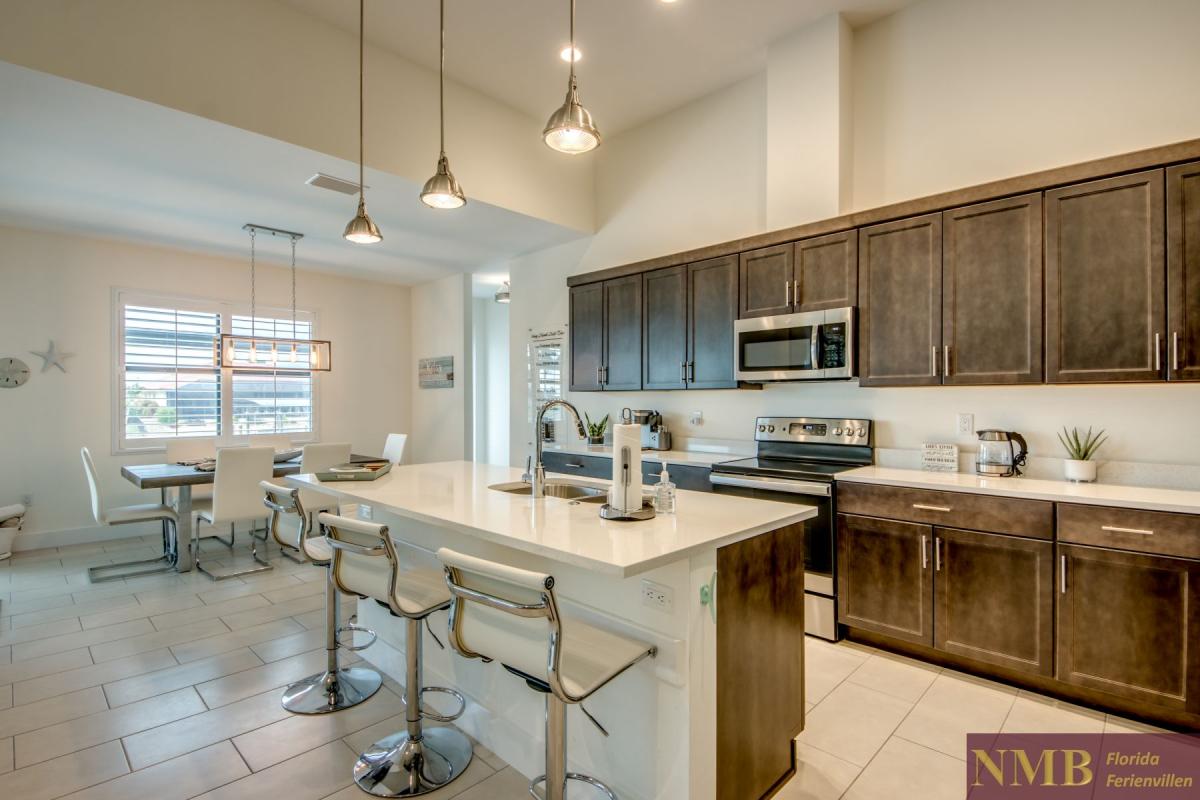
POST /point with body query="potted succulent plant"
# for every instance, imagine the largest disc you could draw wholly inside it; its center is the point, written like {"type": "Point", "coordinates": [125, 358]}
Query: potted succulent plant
{"type": "Point", "coordinates": [596, 429]}
{"type": "Point", "coordinates": [1079, 466]}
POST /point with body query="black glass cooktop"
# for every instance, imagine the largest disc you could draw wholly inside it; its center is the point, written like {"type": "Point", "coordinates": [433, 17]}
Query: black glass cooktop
{"type": "Point", "coordinates": [783, 468]}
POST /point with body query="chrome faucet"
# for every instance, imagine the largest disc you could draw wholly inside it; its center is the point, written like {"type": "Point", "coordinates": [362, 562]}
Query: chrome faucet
{"type": "Point", "coordinates": [538, 478]}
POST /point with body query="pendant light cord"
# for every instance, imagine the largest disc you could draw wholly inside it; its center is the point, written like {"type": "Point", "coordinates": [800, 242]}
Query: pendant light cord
{"type": "Point", "coordinates": [442, 77]}
{"type": "Point", "coordinates": [361, 7]}
{"type": "Point", "coordinates": [253, 330]}
{"type": "Point", "coordinates": [293, 287]}
{"type": "Point", "coordinates": [573, 44]}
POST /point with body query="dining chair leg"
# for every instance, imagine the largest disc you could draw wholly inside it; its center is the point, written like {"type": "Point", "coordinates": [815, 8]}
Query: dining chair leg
{"type": "Point", "coordinates": [224, 573]}
{"type": "Point", "coordinates": [134, 569]}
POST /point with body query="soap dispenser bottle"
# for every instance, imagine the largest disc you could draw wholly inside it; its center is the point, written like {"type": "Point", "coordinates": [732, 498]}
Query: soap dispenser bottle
{"type": "Point", "coordinates": [664, 492]}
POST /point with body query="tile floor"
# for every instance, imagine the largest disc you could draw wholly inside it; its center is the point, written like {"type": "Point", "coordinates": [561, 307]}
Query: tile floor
{"type": "Point", "coordinates": [168, 686]}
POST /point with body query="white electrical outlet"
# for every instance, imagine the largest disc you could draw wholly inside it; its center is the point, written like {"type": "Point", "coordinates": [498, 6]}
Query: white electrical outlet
{"type": "Point", "coordinates": [965, 424]}
{"type": "Point", "coordinates": [365, 512]}
{"type": "Point", "coordinates": [27, 500]}
{"type": "Point", "coordinates": [697, 417]}
{"type": "Point", "coordinates": [657, 596]}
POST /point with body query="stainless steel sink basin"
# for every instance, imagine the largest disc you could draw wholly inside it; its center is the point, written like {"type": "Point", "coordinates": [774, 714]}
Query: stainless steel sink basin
{"type": "Point", "coordinates": [563, 490]}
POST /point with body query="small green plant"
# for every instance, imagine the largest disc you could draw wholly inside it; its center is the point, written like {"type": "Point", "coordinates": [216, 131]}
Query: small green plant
{"type": "Point", "coordinates": [1081, 447]}
{"type": "Point", "coordinates": [596, 429]}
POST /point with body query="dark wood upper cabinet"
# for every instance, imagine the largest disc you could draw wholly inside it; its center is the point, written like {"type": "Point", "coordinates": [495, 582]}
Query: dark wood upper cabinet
{"type": "Point", "coordinates": [994, 599]}
{"type": "Point", "coordinates": [900, 302]}
{"type": "Point", "coordinates": [623, 334]}
{"type": "Point", "coordinates": [826, 272]}
{"type": "Point", "coordinates": [885, 580]}
{"type": "Point", "coordinates": [587, 337]}
{"type": "Point", "coordinates": [1128, 625]}
{"type": "Point", "coordinates": [665, 328]}
{"type": "Point", "coordinates": [1183, 272]}
{"type": "Point", "coordinates": [992, 292]}
{"type": "Point", "coordinates": [1105, 280]}
{"type": "Point", "coordinates": [766, 282]}
{"type": "Point", "coordinates": [712, 307]}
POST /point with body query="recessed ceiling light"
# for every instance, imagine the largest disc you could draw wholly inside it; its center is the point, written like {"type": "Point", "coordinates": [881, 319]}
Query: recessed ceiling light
{"type": "Point", "coordinates": [565, 55]}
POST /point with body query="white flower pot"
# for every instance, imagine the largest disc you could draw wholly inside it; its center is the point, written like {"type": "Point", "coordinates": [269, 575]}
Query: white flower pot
{"type": "Point", "coordinates": [1079, 471]}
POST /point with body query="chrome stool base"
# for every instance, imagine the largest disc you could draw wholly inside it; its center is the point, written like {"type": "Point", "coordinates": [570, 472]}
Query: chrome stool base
{"type": "Point", "coordinates": [572, 776]}
{"type": "Point", "coordinates": [401, 767]}
{"type": "Point", "coordinates": [331, 691]}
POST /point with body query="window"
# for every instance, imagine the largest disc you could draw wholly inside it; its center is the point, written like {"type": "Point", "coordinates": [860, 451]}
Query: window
{"type": "Point", "coordinates": [169, 385]}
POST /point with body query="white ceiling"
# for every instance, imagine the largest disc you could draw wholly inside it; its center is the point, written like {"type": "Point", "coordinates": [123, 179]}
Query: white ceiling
{"type": "Point", "coordinates": [80, 159]}
{"type": "Point", "coordinates": [640, 57]}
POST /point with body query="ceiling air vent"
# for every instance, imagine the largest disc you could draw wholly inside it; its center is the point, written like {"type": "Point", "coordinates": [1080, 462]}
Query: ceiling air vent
{"type": "Point", "coordinates": [323, 181]}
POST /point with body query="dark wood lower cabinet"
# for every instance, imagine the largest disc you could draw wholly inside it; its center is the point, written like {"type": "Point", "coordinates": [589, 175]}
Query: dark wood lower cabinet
{"type": "Point", "coordinates": [1129, 624]}
{"type": "Point", "coordinates": [884, 578]}
{"type": "Point", "coordinates": [994, 599]}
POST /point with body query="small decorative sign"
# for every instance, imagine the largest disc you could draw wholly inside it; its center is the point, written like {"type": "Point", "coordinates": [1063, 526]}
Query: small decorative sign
{"type": "Point", "coordinates": [436, 373]}
{"type": "Point", "coordinates": [939, 457]}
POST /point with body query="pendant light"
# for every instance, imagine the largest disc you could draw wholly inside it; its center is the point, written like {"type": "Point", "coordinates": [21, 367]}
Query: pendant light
{"type": "Point", "coordinates": [504, 295]}
{"type": "Point", "coordinates": [361, 229]}
{"type": "Point", "coordinates": [273, 352]}
{"type": "Point", "coordinates": [442, 190]}
{"type": "Point", "coordinates": [570, 129]}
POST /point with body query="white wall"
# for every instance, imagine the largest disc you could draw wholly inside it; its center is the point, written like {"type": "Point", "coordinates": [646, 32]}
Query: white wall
{"type": "Point", "coordinates": [947, 93]}
{"type": "Point", "coordinates": [441, 326]}
{"type": "Point", "coordinates": [60, 287]}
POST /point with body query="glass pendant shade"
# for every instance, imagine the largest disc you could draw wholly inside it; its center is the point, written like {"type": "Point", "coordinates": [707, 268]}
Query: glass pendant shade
{"type": "Point", "coordinates": [570, 129]}
{"type": "Point", "coordinates": [361, 229]}
{"type": "Point", "coordinates": [442, 190]}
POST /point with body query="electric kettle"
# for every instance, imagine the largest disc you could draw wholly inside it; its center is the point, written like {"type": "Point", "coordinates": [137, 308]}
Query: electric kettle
{"type": "Point", "coordinates": [997, 457]}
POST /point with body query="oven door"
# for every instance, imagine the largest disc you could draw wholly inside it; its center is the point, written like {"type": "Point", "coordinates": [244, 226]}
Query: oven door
{"type": "Point", "coordinates": [781, 348]}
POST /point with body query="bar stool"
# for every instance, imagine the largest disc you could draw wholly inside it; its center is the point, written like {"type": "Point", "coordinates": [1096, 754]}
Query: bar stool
{"type": "Point", "coordinates": [337, 687]}
{"type": "Point", "coordinates": [511, 615]}
{"type": "Point", "coordinates": [416, 760]}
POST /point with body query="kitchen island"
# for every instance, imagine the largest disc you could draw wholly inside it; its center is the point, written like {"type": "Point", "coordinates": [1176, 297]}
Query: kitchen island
{"type": "Point", "coordinates": [712, 716]}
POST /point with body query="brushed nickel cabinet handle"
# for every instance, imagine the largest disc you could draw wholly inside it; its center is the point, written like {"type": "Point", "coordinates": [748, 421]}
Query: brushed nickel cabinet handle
{"type": "Point", "coordinates": [787, 293]}
{"type": "Point", "coordinates": [796, 291]}
{"type": "Point", "coordinates": [683, 372]}
{"type": "Point", "coordinates": [937, 553]}
{"type": "Point", "coordinates": [1157, 352]}
{"type": "Point", "coordinates": [946, 361]}
{"type": "Point", "coordinates": [691, 371]}
{"type": "Point", "coordinates": [924, 555]}
{"type": "Point", "coordinates": [1062, 574]}
{"type": "Point", "coordinates": [925, 507]}
{"type": "Point", "coordinates": [1116, 529]}
{"type": "Point", "coordinates": [933, 361]}
{"type": "Point", "coordinates": [1175, 351]}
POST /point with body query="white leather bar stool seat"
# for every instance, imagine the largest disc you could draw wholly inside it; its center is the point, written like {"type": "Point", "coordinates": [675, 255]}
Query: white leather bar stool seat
{"type": "Point", "coordinates": [417, 760]}
{"type": "Point", "coordinates": [511, 616]}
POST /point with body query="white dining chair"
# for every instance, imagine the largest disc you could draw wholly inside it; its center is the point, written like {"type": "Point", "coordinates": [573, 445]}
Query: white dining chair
{"type": "Point", "coordinates": [316, 458]}
{"type": "Point", "coordinates": [274, 441]}
{"type": "Point", "coordinates": [236, 498]}
{"type": "Point", "coordinates": [393, 449]}
{"type": "Point", "coordinates": [183, 450]}
{"type": "Point", "coordinates": [128, 515]}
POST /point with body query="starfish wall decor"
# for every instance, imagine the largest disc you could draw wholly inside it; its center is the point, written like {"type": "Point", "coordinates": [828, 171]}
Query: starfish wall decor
{"type": "Point", "coordinates": [52, 357]}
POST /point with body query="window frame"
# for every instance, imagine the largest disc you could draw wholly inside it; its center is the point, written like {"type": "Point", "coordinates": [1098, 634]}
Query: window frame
{"type": "Point", "coordinates": [227, 310]}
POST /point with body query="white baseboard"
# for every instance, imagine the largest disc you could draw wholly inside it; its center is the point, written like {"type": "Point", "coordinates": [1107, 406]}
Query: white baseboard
{"type": "Point", "coordinates": [37, 540]}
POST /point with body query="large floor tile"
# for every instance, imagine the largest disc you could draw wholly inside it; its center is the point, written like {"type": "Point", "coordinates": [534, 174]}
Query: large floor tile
{"type": "Point", "coordinates": [235, 640]}
{"type": "Point", "coordinates": [853, 722]}
{"type": "Point", "coordinates": [478, 782]}
{"type": "Point", "coordinates": [1034, 713]}
{"type": "Point", "coordinates": [310, 776]}
{"type": "Point", "coordinates": [298, 733]}
{"type": "Point", "coordinates": [245, 586]}
{"type": "Point", "coordinates": [213, 611]}
{"type": "Point", "coordinates": [1115, 724]}
{"type": "Point", "coordinates": [891, 674]}
{"type": "Point", "coordinates": [30, 691]}
{"type": "Point", "coordinates": [68, 737]}
{"type": "Point", "coordinates": [71, 641]}
{"type": "Point", "coordinates": [51, 779]}
{"type": "Point", "coordinates": [954, 706]}
{"type": "Point", "coordinates": [258, 679]}
{"type": "Point", "coordinates": [139, 610]}
{"type": "Point", "coordinates": [139, 687]}
{"type": "Point", "coordinates": [101, 606]}
{"type": "Point", "coordinates": [258, 616]}
{"type": "Point", "coordinates": [157, 639]}
{"type": "Point", "coordinates": [201, 730]}
{"type": "Point", "coordinates": [6, 755]}
{"type": "Point", "coordinates": [289, 594]}
{"type": "Point", "coordinates": [825, 666]}
{"type": "Point", "coordinates": [13, 607]}
{"type": "Point", "coordinates": [6, 696]}
{"type": "Point", "coordinates": [178, 779]}
{"type": "Point", "coordinates": [46, 665]}
{"type": "Point", "coordinates": [34, 632]}
{"type": "Point", "coordinates": [51, 711]}
{"type": "Point", "coordinates": [902, 769]}
{"type": "Point", "coordinates": [292, 645]}
{"type": "Point", "coordinates": [819, 776]}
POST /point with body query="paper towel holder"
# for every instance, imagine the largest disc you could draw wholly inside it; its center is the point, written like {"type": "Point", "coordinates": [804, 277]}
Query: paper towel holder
{"type": "Point", "coordinates": [644, 513]}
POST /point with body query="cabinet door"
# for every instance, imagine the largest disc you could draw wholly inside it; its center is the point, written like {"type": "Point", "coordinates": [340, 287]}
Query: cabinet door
{"type": "Point", "coordinates": [826, 272]}
{"type": "Point", "coordinates": [994, 599]}
{"type": "Point", "coordinates": [992, 292]}
{"type": "Point", "coordinates": [623, 334]}
{"type": "Point", "coordinates": [665, 328]}
{"type": "Point", "coordinates": [1128, 625]}
{"type": "Point", "coordinates": [766, 282]}
{"type": "Point", "coordinates": [885, 580]}
{"type": "Point", "coordinates": [712, 310]}
{"type": "Point", "coordinates": [1183, 271]}
{"type": "Point", "coordinates": [1106, 280]}
{"type": "Point", "coordinates": [587, 337]}
{"type": "Point", "coordinates": [900, 302]}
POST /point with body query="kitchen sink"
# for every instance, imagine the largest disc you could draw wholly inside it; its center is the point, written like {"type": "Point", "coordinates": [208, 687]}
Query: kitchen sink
{"type": "Point", "coordinates": [564, 490]}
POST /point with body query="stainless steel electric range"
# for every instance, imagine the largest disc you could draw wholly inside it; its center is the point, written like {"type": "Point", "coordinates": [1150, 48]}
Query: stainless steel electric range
{"type": "Point", "coordinates": [797, 460]}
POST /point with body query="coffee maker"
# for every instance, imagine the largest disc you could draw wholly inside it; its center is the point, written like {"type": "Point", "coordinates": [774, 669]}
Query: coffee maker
{"type": "Point", "coordinates": [654, 434]}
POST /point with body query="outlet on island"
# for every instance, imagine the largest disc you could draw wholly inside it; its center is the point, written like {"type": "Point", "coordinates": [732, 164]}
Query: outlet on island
{"type": "Point", "coordinates": [657, 596]}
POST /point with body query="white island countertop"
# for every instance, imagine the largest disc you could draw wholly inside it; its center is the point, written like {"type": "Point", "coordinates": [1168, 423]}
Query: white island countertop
{"type": "Point", "coordinates": [455, 495]}
{"type": "Point", "coordinates": [1097, 494]}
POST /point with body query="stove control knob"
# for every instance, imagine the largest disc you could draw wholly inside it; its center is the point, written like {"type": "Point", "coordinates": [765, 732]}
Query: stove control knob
{"type": "Point", "coordinates": [762, 428]}
{"type": "Point", "coordinates": [770, 429]}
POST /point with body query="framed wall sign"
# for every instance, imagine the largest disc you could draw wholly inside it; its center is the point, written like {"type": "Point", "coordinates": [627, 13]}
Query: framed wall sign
{"type": "Point", "coordinates": [436, 372]}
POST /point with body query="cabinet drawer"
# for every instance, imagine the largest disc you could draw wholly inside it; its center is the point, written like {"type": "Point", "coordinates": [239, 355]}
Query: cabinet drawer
{"type": "Point", "coordinates": [1129, 529]}
{"type": "Point", "coordinates": [576, 464]}
{"type": "Point", "coordinates": [1034, 518]}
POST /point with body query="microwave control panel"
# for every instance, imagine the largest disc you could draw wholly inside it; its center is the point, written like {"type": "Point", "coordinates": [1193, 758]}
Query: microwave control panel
{"type": "Point", "coordinates": [833, 345]}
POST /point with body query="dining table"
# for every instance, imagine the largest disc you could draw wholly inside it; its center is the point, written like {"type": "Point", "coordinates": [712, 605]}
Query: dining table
{"type": "Point", "coordinates": [182, 477]}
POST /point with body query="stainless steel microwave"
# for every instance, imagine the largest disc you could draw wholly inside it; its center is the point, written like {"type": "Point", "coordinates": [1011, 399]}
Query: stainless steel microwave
{"type": "Point", "coordinates": [811, 345]}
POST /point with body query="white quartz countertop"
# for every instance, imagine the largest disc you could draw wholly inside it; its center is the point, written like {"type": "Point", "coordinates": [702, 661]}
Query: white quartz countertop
{"type": "Point", "coordinates": [692, 458]}
{"type": "Point", "coordinates": [1098, 494]}
{"type": "Point", "coordinates": [455, 495]}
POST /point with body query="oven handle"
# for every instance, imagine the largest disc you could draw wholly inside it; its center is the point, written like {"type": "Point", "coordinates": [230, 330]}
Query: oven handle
{"type": "Point", "coordinates": [768, 485]}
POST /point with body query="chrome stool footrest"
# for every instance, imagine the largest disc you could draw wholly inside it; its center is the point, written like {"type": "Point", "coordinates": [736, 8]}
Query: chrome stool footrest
{"type": "Point", "coordinates": [355, 629]}
{"type": "Point", "coordinates": [572, 776]}
{"type": "Point", "coordinates": [444, 717]}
